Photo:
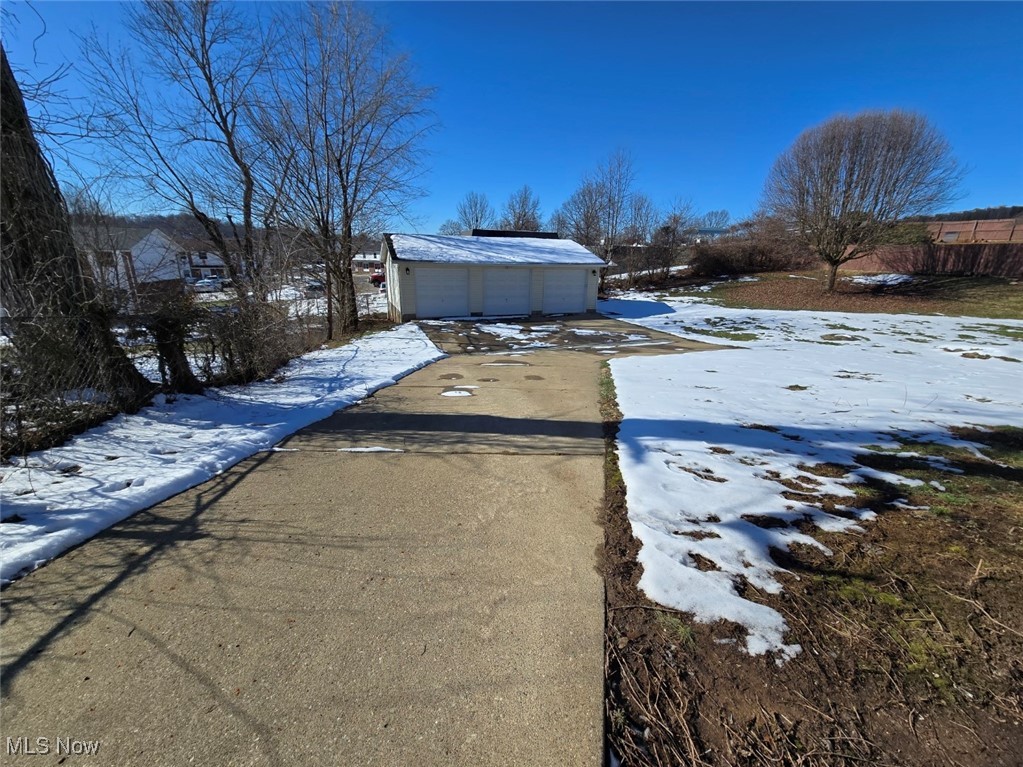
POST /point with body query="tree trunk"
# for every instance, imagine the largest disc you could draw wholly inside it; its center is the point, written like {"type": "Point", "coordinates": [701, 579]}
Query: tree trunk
{"type": "Point", "coordinates": [832, 276]}
{"type": "Point", "coordinates": [169, 327]}
{"type": "Point", "coordinates": [328, 284]}
{"type": "Point", "coordinates": [346, 283]}
{"type": "Point", "coordinates": [44, 281]}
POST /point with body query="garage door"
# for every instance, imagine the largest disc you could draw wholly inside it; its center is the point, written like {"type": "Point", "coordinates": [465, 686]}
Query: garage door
{"type": "Point", "coordinates": [564, 291]}
{"type": "Point", "coordinates": [442, 292]}
{"type": "Point", "coordinates": [506, 291]}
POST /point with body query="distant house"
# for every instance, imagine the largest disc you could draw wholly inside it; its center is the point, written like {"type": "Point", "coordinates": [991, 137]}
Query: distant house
{"type": "Point", "coordinates": [128, 263]}
{"type": "Point", "coordinates": [456, 276]}
{"type": "Point", "coordinates": [367, 262]}
{"type": "Point", "coordinates": [199, 259]}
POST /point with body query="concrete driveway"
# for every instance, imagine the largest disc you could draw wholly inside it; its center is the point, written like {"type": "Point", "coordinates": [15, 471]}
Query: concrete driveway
{"type": "Point", "coordinates": [340, 602]}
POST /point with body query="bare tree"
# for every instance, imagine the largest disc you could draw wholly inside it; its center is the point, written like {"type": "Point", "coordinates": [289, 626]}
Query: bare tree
{"type": "Point", "coordinates": [185, 130]}
{"type": "Point", "coordinates": [580, 216]}
{"type": "Point", "coordinates": [451, 227]}
{"type": "Point", "coordinates": [715, 219]}
{"type": "Point", "coordinates": [97, 238]}
{"type": "Point", "coordinates": [522, 211]}
{"type": "Point", "coordinates": [182, 126]}
{"type": "Point", "coordinates": [641, 219]}
{"type": "Point", "coordinates": [671, 237]}
{"type": "Point", "coordinates": [558, 222]}
{"type": "Point", "coordinates": [633, 253]}
{"type": "Point", "coordinates": [614, 180]}
{"type": "Point", "coordinates": [475, 212]}
{"type": "Point", "coordinates": [61, 334]}
{"type": "Point", "coordinates": [845, 184]}
{"type": "Point", "coordinates": [353, 146]}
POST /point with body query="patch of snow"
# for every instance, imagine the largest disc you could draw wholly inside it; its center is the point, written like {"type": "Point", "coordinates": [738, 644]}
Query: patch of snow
{"type": "Point", "coordinates": [370, 450]}
{"type": "Point", "coordinates": [456, 393]}
{"type": "Point", "coordinates": [285, 293]}
{"type": "Point", "coordinates": [647, 272]}
{"type": "Point", "coordinates": [710, 442]}
{"type": "Point", "coordinates": [504, 331]}
{"type": "Point", "coordinates": [134, 461]}
{"type": "Point", "coordinates": [881, 279]}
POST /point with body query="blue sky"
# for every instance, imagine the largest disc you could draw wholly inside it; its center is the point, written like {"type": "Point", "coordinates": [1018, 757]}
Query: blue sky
{"type": "Point", "coordinates": [703, 95]}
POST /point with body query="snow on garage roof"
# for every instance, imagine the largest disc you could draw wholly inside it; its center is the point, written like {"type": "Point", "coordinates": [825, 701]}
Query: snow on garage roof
{"type": "Point", "coordinates": [461, 249]}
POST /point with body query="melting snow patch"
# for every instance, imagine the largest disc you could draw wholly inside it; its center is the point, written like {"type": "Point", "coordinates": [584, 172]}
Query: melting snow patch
{"type": "Point", "coordinates": [881, 279]}
{"type": "Point", "coordinates": [710, 479]}
{"type": "Point", "coordinates": [370, 450]}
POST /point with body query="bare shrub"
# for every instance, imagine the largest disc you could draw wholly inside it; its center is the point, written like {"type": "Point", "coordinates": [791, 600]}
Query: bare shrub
{"type": "Point", "coordinates": [762, 244]}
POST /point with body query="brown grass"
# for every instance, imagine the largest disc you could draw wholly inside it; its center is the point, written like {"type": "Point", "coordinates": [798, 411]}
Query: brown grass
{"type": "Point", "coordinates": [991, 297]}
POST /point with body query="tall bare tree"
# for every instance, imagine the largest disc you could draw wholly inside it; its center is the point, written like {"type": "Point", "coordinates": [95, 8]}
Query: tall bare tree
{"type": "Point", "coordinates": [845, 184]}
{"type": "Point", "coordinates": [614, 180]}
{"type": "Point", "coordinates": [641, 219]}
{"type": "Point", "coordinates": [580, 217]}
{"type": "Point", "coordinates": [351, 147]}
{"type": "Point", "coordinates": [671, 237]}
{"type": "Point", "coordinates": [522, 211]}
{"type": "Point", "coordinates": [715, 219]}
{"type": "Point", "coordinates": [182, 127]}
{"type": "Point", "coordinates": [475, 212]}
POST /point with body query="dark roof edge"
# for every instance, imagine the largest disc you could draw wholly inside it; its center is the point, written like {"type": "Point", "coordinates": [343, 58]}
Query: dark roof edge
{"type": "Point", "coordinates": [514, 233]}
{"type": "Point", "coordinates": [391, 251]}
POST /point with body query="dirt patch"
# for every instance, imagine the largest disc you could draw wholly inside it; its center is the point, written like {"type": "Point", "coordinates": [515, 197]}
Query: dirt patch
{"type": "Point", "coordinates": [911, 634]}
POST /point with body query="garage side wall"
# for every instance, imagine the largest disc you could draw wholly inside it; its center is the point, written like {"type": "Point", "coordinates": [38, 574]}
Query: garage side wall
{"type": "Point", "coordinates": [592, 284]}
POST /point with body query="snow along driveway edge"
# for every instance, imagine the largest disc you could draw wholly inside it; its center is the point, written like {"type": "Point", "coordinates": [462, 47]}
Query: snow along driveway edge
{"type": "Point", "coordinates": [56, 499]}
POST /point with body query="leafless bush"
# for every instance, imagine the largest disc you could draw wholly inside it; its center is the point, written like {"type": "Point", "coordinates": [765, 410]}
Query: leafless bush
{"type": "Point", "coordinates": [762, 244]}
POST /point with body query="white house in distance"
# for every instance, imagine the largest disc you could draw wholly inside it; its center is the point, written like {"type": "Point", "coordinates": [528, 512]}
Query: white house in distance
{"type": "Point", "coordinates": [367, 262]}
{"type": "Point", "coordinates": [524, 274]}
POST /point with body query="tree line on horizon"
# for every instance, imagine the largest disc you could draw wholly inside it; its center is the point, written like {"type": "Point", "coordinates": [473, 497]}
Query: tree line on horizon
{"type": "Point", "coordinates": [843, 189]}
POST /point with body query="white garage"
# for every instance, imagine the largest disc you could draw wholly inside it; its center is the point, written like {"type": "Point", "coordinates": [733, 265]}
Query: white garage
{"type": "Point", "coordinates": [502, 274]}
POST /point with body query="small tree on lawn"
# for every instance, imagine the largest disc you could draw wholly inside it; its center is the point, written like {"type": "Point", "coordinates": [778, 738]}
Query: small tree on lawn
{"type": "Point", "coordinates": [844, 185]}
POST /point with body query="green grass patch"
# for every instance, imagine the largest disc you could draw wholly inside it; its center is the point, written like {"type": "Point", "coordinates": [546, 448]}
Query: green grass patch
{"type": "Point", "coordinates": [680, 631]}
{"type": "Point", "coordinates": [731, 335]}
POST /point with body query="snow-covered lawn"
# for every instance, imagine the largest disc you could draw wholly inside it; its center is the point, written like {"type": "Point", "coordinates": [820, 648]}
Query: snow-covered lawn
{"type": "Point", "coordinates": [57, 498]}
{"type": "Point", "coordinates": [709, 442]}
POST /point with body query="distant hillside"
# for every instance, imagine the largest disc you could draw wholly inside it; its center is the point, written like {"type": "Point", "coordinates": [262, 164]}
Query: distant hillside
{"type": "Point", "coordinates": [977, 214]}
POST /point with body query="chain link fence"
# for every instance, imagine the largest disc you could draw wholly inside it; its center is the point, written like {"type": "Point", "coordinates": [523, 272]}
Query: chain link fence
{"type": "Point", "coordinates": [53, 387]}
